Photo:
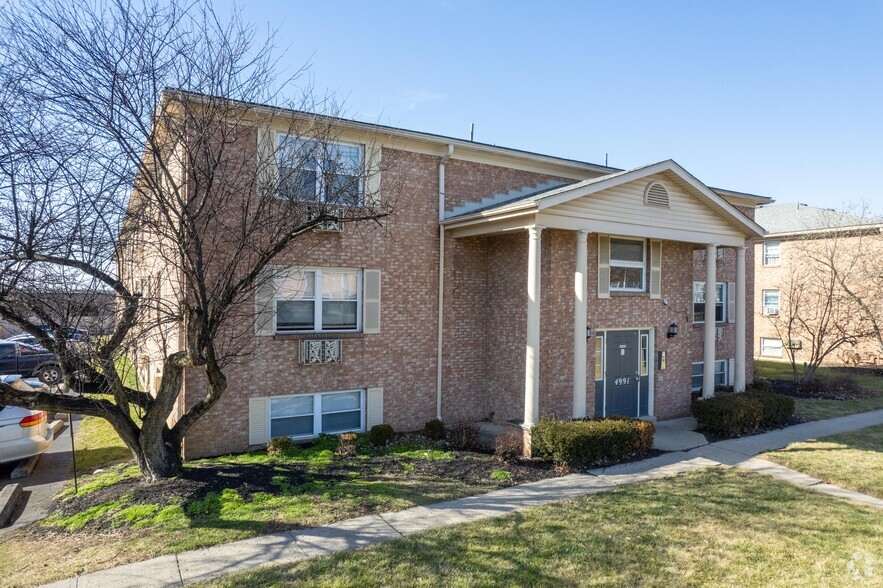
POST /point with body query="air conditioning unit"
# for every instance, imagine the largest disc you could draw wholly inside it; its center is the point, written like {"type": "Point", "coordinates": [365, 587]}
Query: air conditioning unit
{"type": "Point", "coordinates": [795, 344]}
{"type": "Point", "coordinates": [314, 351]}
{"type": "Point", "coordinates": [334, 225]}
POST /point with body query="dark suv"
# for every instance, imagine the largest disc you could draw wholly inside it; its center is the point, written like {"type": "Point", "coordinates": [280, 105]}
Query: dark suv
{"type": "Point", "coordinates": [29, 361]}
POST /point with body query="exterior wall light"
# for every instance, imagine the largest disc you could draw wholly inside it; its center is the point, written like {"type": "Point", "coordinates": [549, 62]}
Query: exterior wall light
{"type": "Point", "coordinates": [588, 333]}
{"type": "Point", "coordinates": [672, 331]}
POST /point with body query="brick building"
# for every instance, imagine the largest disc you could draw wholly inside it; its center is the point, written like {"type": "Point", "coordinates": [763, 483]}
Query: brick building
{"type": "Point", "coordinates": [510, 285]}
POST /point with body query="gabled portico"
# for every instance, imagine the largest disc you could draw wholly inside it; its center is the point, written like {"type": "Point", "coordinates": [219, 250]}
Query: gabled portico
{"type": "Point", "coordinates": [660, 205]}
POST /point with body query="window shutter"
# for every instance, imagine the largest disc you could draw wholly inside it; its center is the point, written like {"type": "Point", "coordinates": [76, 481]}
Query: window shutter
{"type": "Point", "coordinates": [731, 373]}
{"type": "Point", "coordinates": [731, 302]}
{"type": "Point", "coordinates": [372, 176]}
{"type": "Point", "coordinates": [373, 407]}
{"type": "Point", "coordinates": [264, 307]}
{"type": "Point", "coordinates": [266, 156]}
{"type": "Point", "coordinates": [603, 266]}
{"type": "Point", "coordinates": [258, 420]}
{"type": "Point", "coordinates": [371, 301]}
{"type": "Point", "coordinates": [655, 269]}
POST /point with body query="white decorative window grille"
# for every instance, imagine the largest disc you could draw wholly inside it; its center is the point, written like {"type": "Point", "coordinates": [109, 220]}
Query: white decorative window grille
{"type": "Point", "coordinates": [320, 351]}
{"type": "Point", "coordinates": [720, 333]}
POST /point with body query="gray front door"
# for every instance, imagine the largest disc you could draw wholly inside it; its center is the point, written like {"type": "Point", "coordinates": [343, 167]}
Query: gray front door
{"type": "Point", "coordinates": [622, 377]}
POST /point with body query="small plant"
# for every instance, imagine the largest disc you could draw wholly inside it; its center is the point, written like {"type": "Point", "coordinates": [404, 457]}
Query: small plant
{"type": "Point", "coordinates": [347, 445]}
{"type": "Point", "coordinates": [501, 475]}
{"type": "Point", "coordinates": [509, 446]}
{"type": "Point", "coordinates": [380, 435]}
{"type": "Point", "coordinates": [463, 437]}
{"type": "Point", "coordinates": [278, 446]}
{"type": "Point", "coordinates": [434, 430]}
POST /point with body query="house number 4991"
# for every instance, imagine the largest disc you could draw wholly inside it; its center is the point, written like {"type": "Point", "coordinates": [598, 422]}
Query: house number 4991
{"type": "Point", "coordinates": [621, 381]}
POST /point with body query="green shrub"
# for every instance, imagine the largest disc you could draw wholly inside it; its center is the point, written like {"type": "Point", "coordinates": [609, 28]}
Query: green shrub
{"type": "Point", "coordinates": [380, 435]}
{"type": "Point", "coordinates": [732, 415]}
{"type": "Point", "coordinates": [434, 429]}
{"type": "Point", "coordinates": [760, 385]}
{"type": "Point", "coordinates": [582, 443]}
{"type": "Point", "coordinates": [279, 445]}
{"type": "Point", "coordinates": [835, 387]}
{"type": "Point", "coordinates": [346, 444]}
{"type": "Point", "coordinates": [463, 436]}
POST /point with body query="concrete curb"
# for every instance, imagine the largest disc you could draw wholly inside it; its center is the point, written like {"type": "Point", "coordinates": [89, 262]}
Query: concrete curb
{"type": "Point", "coordinates": [56, 426]}
{"type": "Point", "coordinates": [9, 497]}
{"type": "Point", "coordinates": [24, 468]}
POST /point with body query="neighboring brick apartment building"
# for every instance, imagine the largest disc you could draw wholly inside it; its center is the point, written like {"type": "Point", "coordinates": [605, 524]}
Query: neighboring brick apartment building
{"type": "Point", "coordinates": [566, 288]}
{"type": "Point", "coordinates": [796, 232]}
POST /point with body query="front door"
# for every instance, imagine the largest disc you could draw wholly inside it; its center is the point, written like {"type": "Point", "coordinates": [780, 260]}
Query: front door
{"type": "Point", "coordinates": [623, 375]}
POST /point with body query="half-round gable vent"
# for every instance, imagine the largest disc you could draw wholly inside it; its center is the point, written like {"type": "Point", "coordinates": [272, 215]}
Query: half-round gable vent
{"type": "Point", "coordinates": [656, 195]}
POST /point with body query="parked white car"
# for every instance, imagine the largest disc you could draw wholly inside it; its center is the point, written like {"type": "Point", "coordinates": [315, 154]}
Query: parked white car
{"type": "Point", "coordinates": [23, 433]}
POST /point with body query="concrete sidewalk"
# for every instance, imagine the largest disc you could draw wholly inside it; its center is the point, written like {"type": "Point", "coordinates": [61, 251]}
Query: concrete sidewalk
{"type": "Point", "coordinates": [199, 565]}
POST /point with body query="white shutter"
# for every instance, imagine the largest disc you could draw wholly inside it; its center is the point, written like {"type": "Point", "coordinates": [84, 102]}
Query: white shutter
{"type": "Point", "coordinates": [266, 162]}
{"type": "Point", "coordinates": [603, 266]}
{"type": "Point", "coordinates": [731, 302]}
{"type": "Point", "coordinates": [372, 176]}
{"type": "Point", "coordinates": [731, 371]}
{"type": "Point", "coordinates": [264, 304]}
{"type": "Point", "coordinates": [258, 420]}
{"type": "Point", "coordinates": [655, 270]}
{"type": "Point", "coordinates": [371, 302]}
{"type": "Point", "coordinates": [373, 407]}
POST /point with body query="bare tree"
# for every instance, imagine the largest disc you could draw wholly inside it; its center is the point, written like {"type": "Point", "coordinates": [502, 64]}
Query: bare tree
{"type": "Point", "coordinates": [827, 298]}
{"type": "Point", "coordinates": [136, 158]}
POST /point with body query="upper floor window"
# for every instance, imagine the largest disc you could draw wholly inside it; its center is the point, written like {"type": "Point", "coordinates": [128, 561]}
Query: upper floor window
{"type": "Point", "coordinates": [772, 253]}
{"type": "Point", "coordinates": [720, 302]}
{"type": "Point", "coordinates": [311, 171]}
{"type": "Point", "coordinates": [628, 264]}
{"type": "Point", "coordinates": [770, 302]}
{"type": "Point", "coordinates": [319, 300]}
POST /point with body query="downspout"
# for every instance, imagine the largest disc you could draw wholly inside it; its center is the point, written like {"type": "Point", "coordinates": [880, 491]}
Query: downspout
{"type": "Point", "coordinates": [441, 277]}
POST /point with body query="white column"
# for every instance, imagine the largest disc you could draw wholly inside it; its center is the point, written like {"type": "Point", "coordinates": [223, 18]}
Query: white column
{"type": "Point", "coordinates": [739, 376]}
{"type": "Point", "coordinates": [580, 315]}
{"type": "Point", "coordinates": [710, 325]}
{"type": "Point", "coordinates": [532, 346]}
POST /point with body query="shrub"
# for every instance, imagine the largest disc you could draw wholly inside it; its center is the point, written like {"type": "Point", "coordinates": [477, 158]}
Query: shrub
{"type": "Point", "coordinates": [434, 429]}
{"type": "Point", "coordinates": [279, 445]}
{"type": "Point", "coordinates": [463, 437]}
{"type": "Point", "coordinates": [346, 444]}
{"type": "Point", "coordinates": [736, 414]}
{"type": "Point", "coordinates": [509, 445]}
{"type": "Point", "coordinates": [760, 385]}
{"type": "Point", "coordinates": [581, 443]}
{"type": "Point", "coordinates": [380, 435]}
{"type": "Point", "coordinates": [832, 387]}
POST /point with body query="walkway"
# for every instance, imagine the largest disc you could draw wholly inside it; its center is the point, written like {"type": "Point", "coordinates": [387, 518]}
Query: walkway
{"type": "Point", "coordinates": [194, 566]}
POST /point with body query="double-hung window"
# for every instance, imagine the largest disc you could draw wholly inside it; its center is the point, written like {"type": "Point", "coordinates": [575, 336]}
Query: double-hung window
{"type": "Point", "coordinates": [770, 302]}
{"type": "Point", "coordinates": [721, 377]}
{"type": "Point", "coordinates": [772, 253]}
{"type": "Point", "coordinates": [628, 264]}
{"type": "Point", "coordinates": [317, 300]}
{"type": "Point", "coordinates": [310, 171]}
{"type": "Point", "coordinates": [771, 347]}
{"type": "Point", "coordinates": [308, 415]}
{"type": "Point", "coordinates": [720, 302]}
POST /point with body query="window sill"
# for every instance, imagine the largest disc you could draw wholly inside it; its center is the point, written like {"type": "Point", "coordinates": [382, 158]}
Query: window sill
{"type": "Point", "coordinates": [627, 294]}
{"type": "Point", "coordinates": [318, 335]}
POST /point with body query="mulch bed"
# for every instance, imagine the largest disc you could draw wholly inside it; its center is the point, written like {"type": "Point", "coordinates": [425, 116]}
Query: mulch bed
{"type": "Point", "coordinates": [832, 392]}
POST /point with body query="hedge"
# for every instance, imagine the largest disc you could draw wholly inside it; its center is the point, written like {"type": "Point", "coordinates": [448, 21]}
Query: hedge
{"type": "Point", "coordinates": [732, 415]}
{"type": "Point", "coordinates": [582, 443]}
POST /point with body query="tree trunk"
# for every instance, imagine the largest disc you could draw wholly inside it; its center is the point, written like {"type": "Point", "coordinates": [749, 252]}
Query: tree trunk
{"type": "Point", "coordinates": [159, 458]}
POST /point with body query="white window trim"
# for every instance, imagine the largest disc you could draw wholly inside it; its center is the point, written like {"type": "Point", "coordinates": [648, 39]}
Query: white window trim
{"type": "Point", "coordinates": [320, 176]}
{"type": "Point", "coordinates": [766, 255]}
{"type": "Point", "coordinates": [765, 307]}
{"type": "Point", "coordinates": [781, 347]}
{"type": "Point", "coordinates": [633, 264]}
{"type": "Point", "coordinates": [317, 413]}
{"type": "Point", "coordinates": [317, 310]}
{"type": "Point", "coordinates": [724, 300]}
{"type": "Point", "coordinates": [725, 372]}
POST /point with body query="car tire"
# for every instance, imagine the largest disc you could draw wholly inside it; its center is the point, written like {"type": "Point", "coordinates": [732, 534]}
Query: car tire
{"type": "Point", "coordinates": [49, 374]}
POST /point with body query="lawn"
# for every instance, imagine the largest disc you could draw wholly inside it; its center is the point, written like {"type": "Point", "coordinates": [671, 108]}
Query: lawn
{"type": "Point", "coordinates": [717, 527]}
{"type": "Point", "coordinates": [116, 519]}
{"type": "Point", "coordinates": [852, 460]}
{"type": "Point", "coordinates": [814, 409]}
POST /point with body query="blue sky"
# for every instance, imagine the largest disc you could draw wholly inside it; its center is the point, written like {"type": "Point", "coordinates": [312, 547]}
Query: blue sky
{"type": "Point", "coordinates": [783, 99]}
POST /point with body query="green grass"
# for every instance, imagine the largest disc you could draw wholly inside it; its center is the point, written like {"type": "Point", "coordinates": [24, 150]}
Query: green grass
{"type": "Point", "coordinates": [811, 409]}
{"type": "Point", "coordinates": [851, 460]}
{"type": "Point", "coordinates": [718, 527]}
{"type": "Point", "coordinates": [98, 445]}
